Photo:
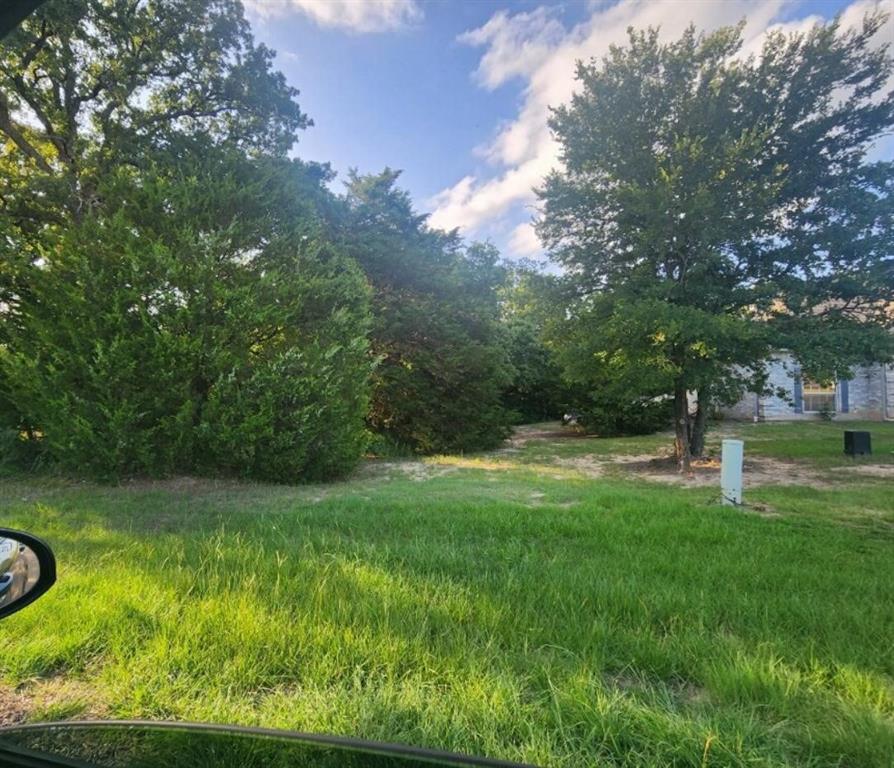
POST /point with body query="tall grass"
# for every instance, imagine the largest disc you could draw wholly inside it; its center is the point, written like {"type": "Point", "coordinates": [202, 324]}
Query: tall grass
{"type": "Point", "coordinates": [491, 609]}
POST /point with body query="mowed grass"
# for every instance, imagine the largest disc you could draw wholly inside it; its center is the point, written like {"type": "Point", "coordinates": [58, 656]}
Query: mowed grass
{"type": "Point", "coordinates": [499, 604]}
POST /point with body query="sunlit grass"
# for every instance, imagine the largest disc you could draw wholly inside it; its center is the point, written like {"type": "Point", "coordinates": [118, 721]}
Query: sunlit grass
{"type": "Point", "coordinates": [499, 608]}
{"type": "Point", "coordinates": [820, 442]}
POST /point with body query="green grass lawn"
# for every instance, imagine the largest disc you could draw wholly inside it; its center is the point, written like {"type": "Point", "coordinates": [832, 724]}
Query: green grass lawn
{"type": "Point", "coordinates": [504, 605]}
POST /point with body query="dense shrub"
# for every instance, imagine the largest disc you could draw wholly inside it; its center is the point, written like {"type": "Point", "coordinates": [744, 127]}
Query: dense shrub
{"type": "Point", "coordinates": [92, 367]}
{"type": "Point", "coordinates": [177, 295]}
{"type": "Point", "coordinates": [289, 417]}
{"type": "Point", "coordinates": [169, 298]}
{"type": "Point", "coordinates": [298, 414]}
{"type": "Point", "coordinates": [536, 391]}
{"type": "Point", "coordinates": [236, 343]}
{"type": "Point", "coordinates": [613, 415]}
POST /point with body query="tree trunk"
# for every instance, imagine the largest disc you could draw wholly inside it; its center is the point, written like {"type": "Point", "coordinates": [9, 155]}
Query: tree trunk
{"type": "Point", "coordinates": [699, 425]}
{"type": "Point", "coordinates": [681, 428]}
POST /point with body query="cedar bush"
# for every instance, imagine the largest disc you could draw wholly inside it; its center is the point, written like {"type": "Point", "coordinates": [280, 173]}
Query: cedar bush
{"type": "Point", "coordinates": [169, 298]}
{"type": "Point", "coordinates": [235, 345]}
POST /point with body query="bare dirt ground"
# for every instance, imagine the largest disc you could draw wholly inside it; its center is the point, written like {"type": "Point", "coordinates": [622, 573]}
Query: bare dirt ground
{"type": "Point", "coordinates": [53, 697]}
{"type": "Point", "coordinates": [661, 467]}
{"type": "Point", "coordinates": [527, 432]}
{"type": "Point", "coordinates": [658, 466]}
{"type": "Point", "coordinates": [14, 706]}
{"type": "Point", "coordinates": [757, 471]}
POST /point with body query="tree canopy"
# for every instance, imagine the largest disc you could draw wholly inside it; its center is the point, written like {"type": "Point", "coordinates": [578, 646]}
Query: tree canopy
{"type": "Point", "coordinates": [441, 360]}
{"type": "Point", "coordinates": [178, 295]}
{"type": "Point", "coordinates": [712, 208]}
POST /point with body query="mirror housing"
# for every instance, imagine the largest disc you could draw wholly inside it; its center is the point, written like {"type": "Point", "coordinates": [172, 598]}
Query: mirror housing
{"type": "Point", "coordinates": [27, 570]}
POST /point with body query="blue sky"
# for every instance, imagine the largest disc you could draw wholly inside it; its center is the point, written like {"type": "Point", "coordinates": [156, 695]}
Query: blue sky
{"type": "Point", "coordinates": [456, 93]}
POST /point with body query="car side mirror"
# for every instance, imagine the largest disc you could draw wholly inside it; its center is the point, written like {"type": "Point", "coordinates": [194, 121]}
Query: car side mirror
{"type": "Point", "coordinates": [27, 570]}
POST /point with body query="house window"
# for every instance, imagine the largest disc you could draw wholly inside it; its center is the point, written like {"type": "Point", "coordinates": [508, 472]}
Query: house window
{"type": "Point", "coordinates": [818, 397]}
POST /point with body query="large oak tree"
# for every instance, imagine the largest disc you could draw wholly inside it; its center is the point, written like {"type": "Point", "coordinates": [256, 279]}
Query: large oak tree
{"type": "Point", "coordinates": [711, 208]}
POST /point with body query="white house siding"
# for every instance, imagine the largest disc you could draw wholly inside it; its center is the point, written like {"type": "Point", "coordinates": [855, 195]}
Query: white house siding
{"type": "Point", "coordinates": [867, 392]}
{"type": "Point", "coordinates": [870, 395]}
{"type": "Point", "coordinates": [745, 410]}
{"type": "Point", "coordinates": [889, 391]}
{"type": "Point", "coordinates": [781, 372]}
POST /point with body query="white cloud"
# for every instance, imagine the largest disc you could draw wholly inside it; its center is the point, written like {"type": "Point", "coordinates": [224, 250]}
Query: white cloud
{"type": "Point", "coordinates": [352, 15]}
{"type": "Point", "coordinates": [516, 45]}
{"type": "Point", "coordinates": [538, 48]}
{"type": "Point", "coordinates": [471, 203]}
{"type": "Point", "coordinates": [524, 241]}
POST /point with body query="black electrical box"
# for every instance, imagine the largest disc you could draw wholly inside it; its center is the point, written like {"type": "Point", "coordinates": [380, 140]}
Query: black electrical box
{"type": "Point", "coordinates": [857, 443]}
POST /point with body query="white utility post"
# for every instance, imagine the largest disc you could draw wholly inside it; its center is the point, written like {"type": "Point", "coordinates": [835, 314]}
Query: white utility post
{"type": "Point", "coordinates": [731, 471]}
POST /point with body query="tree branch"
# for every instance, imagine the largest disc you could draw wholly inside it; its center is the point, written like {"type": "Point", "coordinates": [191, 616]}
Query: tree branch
{"type": "Point", "coordinates": [10, 129]}
{"type": "Point", "coordinates": [37, 47]}
{"type": "Point", "coordinates": [25, 92]}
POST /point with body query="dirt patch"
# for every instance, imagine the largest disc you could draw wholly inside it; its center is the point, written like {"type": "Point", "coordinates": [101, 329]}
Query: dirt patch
{"type": "Point", "coordinates": [643, 458]}
{"type": "Point", "coordinates": [589, 466]}
{"type": "Point", "coordinates": [50, 698]}
{"type": "Point", "coordinates": [417, 471]}
{"type": "Point", "coordinates": [706, 472]}
{"type": "Point", "coordinates": [184, 485]}
{"type": "Point", "coordinates": [885, 471]}
{"type": "Point", "coordinates": [14, 706]}
{"type": "Point", "coordinates": [597, 465]}
{"type": "Point", "coordinates": [661, 467]}
{"type": "Point", "coordinates": [527, 432]}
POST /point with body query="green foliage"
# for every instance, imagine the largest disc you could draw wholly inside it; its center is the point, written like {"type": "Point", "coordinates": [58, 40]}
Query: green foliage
{"type": "Point", "coordinates": [436, 335]}
{"type": "Point", "coordinates": [90, 367]}
{"type": "Point", "coordinates": [170, 299]}
{"type": "Point", "coordinates": [127, 357]}
{"type": "Point", "coordinates": [611, 413]}
{"type": "Point", "coordinates": [537, 391]}
{"type": "Point", "coordinates": [712, 209]}
{"type": "Point", "coordinates": [642, 347]}
{"type": "Point", "coordinates": [17, 453]}
{"type": "Point", "coordinates": [298, 416]}
{"type": "Point", "coordinates": [561, 367]}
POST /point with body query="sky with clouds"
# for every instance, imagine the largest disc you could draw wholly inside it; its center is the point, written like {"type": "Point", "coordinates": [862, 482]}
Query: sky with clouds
{"type": "Point", "coordinates": [457, 94]}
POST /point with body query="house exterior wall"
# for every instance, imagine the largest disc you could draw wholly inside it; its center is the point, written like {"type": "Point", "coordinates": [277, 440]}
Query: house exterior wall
{"type": "Point", "coordinates": [867, 392]}
{"type": "Point", "coordinates": [869, 395]}
{"type": "Point", "coordinates": [781, 375]}
{"type": "Point", "coordinates": [745, 410]}
{"type": "Point", "coordinates": [889, 391]}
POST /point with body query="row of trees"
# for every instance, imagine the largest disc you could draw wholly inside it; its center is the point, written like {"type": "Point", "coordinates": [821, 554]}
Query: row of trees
{"type": "Point", "coordinates": [178, 294]}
